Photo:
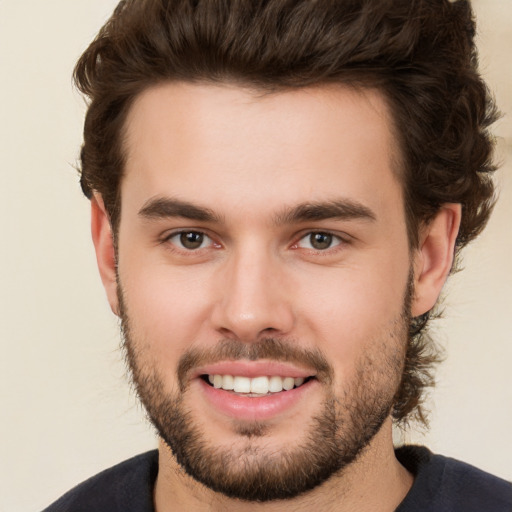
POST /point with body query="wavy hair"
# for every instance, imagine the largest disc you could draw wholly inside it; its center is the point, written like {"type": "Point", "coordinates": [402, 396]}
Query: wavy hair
{"type": "Point", "coordinates": [420, 54]}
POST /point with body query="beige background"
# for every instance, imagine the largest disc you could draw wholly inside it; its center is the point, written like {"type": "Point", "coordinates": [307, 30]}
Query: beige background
{"type": "Point", "coordinates": [65, 406]}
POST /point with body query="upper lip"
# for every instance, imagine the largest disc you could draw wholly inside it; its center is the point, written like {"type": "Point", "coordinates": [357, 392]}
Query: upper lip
{"type": "Point", "coordinates": [253, 369]}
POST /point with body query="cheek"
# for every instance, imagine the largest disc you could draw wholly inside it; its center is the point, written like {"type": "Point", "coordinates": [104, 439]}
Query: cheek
{"type": "Point", "coordinates": [167, 310]}
{"type": "Point", "coordinates": [351, 310]}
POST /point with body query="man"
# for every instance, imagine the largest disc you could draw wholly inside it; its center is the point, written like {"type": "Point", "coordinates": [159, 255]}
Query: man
{"type": "Point", "coordinates": [279, 190]}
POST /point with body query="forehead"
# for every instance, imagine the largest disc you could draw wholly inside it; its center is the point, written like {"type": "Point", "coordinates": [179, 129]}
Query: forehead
{"type": "Point", "coordinates": [234, 147]}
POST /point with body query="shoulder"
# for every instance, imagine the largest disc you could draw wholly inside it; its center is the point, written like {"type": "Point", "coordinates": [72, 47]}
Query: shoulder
{"type": "Point", "coordinates": [443, 484]}
{"type": "Point", "coordinates": [126, 487]}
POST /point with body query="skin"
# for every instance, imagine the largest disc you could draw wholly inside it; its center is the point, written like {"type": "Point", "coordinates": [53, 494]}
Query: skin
{"type": "Point", "coordinates": [248, 158]}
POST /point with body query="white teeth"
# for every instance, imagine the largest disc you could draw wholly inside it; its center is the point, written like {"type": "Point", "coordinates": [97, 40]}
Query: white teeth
{"type": "Point", "coordinates": [228, 382]}
{"type": "Point", "coordinates": [257, 385]}
{"type": "Point", "coordinates": [217, 381]}
{"type": "Point", "coordinates": [275, 384]}
{"type": "Point", "coordinates": [242, 385]}
{"type": "Point", "coordinates": [288, 383]}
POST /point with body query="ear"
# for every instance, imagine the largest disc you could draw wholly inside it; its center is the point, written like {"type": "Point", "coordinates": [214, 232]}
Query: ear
{"type": "Point", "coordinates": [104, 246]}
{"type": "Point", "coordinates": [434, 258]}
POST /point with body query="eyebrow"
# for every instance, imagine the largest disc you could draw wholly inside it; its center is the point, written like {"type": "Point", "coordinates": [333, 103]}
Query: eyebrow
{"type": "Point", "coordinates": [341, 209]}
{"type": "Point", "coordinates": [166, 207]}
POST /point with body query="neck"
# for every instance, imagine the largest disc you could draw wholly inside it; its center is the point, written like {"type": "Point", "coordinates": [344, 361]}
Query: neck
{"type": "Point", "coordinates": [374, 481]}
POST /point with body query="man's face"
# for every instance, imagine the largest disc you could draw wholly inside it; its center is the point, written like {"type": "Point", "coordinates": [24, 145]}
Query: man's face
{"type": "Point", "coordinates": [263, 242]}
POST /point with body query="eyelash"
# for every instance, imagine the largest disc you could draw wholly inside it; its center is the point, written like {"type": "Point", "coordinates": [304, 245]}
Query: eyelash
{"type": "Point", "coordinates": [168, 239]}
{"type": "Point", "coordinates": [337, 239]}
{"type": "Point", "coordinates": [336, 242]}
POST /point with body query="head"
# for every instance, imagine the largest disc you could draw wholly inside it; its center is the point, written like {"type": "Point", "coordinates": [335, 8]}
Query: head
{"type": "Point", "coordinates": [412, 63]}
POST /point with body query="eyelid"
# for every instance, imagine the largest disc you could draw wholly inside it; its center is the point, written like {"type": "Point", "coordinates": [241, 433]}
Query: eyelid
{"type": "Point", "coordinates": [341, 238]}
{"type": "Point", "coordinates": [169, 235]}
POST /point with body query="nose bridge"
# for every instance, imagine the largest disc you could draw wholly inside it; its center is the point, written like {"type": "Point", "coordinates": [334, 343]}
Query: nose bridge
{"type": "Point", "coordinates": [253, 299]}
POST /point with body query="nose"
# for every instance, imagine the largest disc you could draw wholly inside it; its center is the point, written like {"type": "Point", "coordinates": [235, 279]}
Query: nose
{"type": "Point", "coordinates": [253, 297]}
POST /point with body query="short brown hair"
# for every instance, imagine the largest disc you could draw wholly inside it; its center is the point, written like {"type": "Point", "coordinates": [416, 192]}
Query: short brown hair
{"type": "Point", "coordinates": [419, 53]}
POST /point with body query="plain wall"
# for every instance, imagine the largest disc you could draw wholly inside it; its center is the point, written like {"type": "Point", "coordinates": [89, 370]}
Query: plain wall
{"type": "Point", "coordinates": [66, 406]}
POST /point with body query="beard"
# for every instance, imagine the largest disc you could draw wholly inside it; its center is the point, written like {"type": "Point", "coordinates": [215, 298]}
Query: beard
{"type": "Point", "coordinates": [249, 469]}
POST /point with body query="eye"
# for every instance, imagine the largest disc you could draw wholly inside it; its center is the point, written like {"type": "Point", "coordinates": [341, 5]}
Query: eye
{"type": "Point", "coordinates": [190, 240]}
{"type": "Point", "coordinates": [319, 241]}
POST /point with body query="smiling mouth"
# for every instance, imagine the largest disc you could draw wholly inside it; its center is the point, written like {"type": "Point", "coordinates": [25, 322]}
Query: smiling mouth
{"type": "Point", "coordinates": [255, 386]}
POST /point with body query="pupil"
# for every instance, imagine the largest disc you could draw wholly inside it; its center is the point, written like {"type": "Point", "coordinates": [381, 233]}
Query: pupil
{"type": "Point", "coordinates": [191, 240]}
{"type": "Point", "coordinates": [321, 240]}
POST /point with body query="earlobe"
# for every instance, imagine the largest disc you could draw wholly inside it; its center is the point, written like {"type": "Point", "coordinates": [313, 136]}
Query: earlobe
{"type": "Point", "coordinates": [434, 257]}
{"type": "Point", "coordinates": [103, 240]}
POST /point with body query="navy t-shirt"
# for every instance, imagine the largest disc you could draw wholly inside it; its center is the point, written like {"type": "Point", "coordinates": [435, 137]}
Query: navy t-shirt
{"type": "Point", "coordinates": [441, 484]}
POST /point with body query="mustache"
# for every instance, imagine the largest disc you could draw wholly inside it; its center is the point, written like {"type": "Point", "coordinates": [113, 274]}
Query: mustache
{"type": "Point", "coordinates": [267, 348]}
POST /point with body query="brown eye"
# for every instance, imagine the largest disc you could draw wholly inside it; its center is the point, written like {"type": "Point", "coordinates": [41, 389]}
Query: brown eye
{"type": "Point", "coordinates": [191, 239]}
{"type": "Point", "coordinates": [320, 241]}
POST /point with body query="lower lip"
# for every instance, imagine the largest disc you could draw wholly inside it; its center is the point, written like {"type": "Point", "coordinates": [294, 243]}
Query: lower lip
{"type": "Point", "coordinates": [255, 408]}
